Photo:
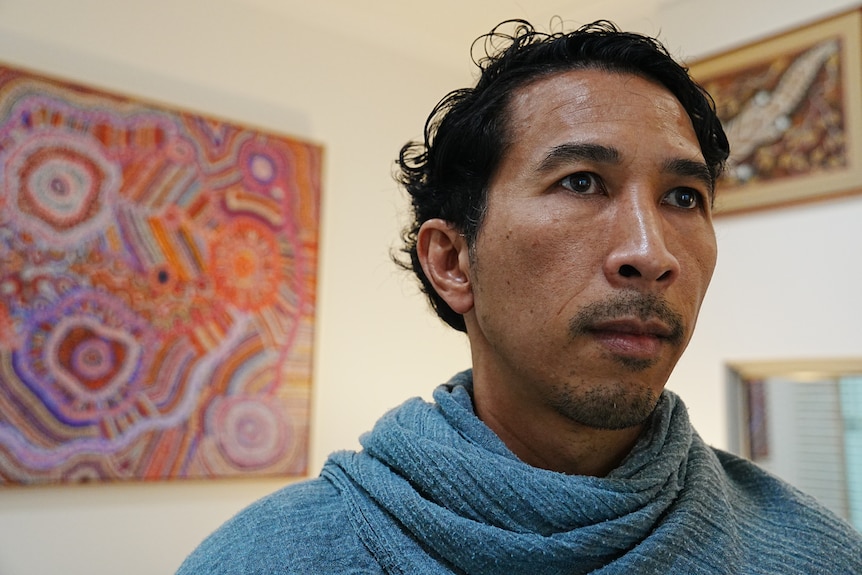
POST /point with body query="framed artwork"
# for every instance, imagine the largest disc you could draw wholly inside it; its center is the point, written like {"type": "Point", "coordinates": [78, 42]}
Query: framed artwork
{"type": "Point", "coordinates": [157, 290]}
{"type": "Point", "coordinates": [791, 108]}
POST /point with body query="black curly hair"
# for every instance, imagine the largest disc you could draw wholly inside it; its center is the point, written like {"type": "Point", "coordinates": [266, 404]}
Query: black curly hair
{"type": "Point", "coordinates": [448, 173]}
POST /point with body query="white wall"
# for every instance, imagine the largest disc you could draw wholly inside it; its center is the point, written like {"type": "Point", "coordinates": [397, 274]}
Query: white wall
{"type": "Point", "coordinates": [376, 343]}
{"type": "Point", "coordinates": [785, 285]}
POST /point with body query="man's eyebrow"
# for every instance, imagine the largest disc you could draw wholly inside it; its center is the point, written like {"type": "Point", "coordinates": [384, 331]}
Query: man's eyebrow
{"type": "Point", "coordinates": [567, 153]}
{"type": "Point", "coordinates": [693, 169]}
{"type": "Point", "coordinates": [577, 152]}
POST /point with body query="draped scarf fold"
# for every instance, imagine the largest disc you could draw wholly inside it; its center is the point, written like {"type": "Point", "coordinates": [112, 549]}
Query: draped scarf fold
{"type": "Point", "coordinates": [436, 491]}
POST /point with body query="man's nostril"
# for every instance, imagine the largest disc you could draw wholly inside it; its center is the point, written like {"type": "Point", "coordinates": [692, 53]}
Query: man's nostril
{"type": "Point", "coordinates": [629, 271]}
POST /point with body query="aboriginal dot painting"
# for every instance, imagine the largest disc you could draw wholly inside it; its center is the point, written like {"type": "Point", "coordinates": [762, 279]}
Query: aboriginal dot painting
{"type": "Point", "coordinates": [157, 281]}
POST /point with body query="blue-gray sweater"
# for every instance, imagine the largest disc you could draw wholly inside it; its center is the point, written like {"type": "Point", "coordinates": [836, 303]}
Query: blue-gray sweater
{"type": "Point", "coordinates": [435, 491]}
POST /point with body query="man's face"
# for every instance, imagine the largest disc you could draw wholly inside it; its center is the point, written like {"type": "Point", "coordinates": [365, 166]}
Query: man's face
{"type": "Point", "coordinates": [595, 252]}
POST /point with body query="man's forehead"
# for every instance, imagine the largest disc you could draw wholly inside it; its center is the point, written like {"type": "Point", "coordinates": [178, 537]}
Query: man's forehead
{"type": "Point", "coordinates": [591, 102]}
{"type": "Point", "coordinates": [587, 88]}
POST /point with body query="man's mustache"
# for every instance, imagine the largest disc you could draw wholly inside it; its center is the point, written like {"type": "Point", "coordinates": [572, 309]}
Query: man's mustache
{"type": "Point", "coordinates": [630, 304]}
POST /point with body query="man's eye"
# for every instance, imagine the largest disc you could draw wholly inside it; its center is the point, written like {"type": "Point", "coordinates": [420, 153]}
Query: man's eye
{"type": "Point", "coordinates": [581, 183]}
{"type": "Point", "coordinates": [684, 198]}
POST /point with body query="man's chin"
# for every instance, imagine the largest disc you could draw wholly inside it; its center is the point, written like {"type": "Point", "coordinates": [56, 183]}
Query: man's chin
{"type": "Point", "coordinates": [604, 409]}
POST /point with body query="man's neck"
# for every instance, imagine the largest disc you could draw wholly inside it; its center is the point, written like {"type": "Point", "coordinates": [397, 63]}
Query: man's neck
{"type": "Point", "coordinates": [542, 437]}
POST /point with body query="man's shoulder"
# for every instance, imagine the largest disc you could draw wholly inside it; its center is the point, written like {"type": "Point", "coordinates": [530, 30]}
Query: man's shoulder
{"type": "Point", "coordinates": [295, 500]}
{"type": "Point", "coordinates": [756, 486]}
{"type": "Point", "coordinates": [795, 524]}
{"type": "Point", "coordinates": [299, 529]}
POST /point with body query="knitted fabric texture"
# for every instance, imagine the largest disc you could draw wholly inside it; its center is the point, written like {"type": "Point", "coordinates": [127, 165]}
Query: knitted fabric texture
{"type": "Point", "coordinates": [436, 491]}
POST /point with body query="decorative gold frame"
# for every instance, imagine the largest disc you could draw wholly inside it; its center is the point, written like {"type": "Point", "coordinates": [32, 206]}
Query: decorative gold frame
{"type": "Point", "coordinates": [792, 107]}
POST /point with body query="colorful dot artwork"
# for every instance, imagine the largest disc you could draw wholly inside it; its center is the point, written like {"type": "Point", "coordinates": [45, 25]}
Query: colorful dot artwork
{"type": "Point", "coordinates": [157, 290]}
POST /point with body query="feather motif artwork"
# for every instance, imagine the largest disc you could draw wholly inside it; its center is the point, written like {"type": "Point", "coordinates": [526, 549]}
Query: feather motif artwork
{"type": "Point", "coordinates": [785, 117]}
{"type": "Point", "coordinates": [764, 118]}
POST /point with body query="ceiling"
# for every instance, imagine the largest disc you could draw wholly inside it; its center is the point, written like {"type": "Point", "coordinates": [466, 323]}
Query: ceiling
{"type": "Point", "coordinates": [441, 31]}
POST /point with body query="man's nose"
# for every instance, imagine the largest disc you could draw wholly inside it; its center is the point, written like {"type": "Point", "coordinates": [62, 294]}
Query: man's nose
{"type": "Point", "coordinates": [638, 255]}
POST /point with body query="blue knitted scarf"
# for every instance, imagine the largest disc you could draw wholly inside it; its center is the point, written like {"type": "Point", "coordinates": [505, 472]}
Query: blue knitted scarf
{"type": "Point", "coordinates": [436, 491]}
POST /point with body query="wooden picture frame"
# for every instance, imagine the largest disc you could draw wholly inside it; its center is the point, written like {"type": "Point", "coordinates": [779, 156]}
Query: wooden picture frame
{"type": "Point", "coordinates": [792, 109]}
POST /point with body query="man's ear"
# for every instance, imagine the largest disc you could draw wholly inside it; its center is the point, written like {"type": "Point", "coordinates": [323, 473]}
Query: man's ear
{"type": "Point", "coordinates": [445, 258]}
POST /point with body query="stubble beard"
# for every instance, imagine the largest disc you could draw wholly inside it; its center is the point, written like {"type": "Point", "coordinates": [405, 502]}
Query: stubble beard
{"type": "Point", "coordinates": [612, 407]}
{"type": "Point", "coordinates": [626, 402]}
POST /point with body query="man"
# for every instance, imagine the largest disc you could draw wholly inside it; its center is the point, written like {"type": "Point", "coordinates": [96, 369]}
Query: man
{"type": "Point", "coordinates": [563, 220]}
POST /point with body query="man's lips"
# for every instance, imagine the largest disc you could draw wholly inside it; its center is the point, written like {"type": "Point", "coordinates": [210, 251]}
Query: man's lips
{"type": "Point", "coordinates": [630, 323]}
{"type": "Point", "coordinates": [632, 326]}
{"type": "Point", "coordinates": [632, 337]}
